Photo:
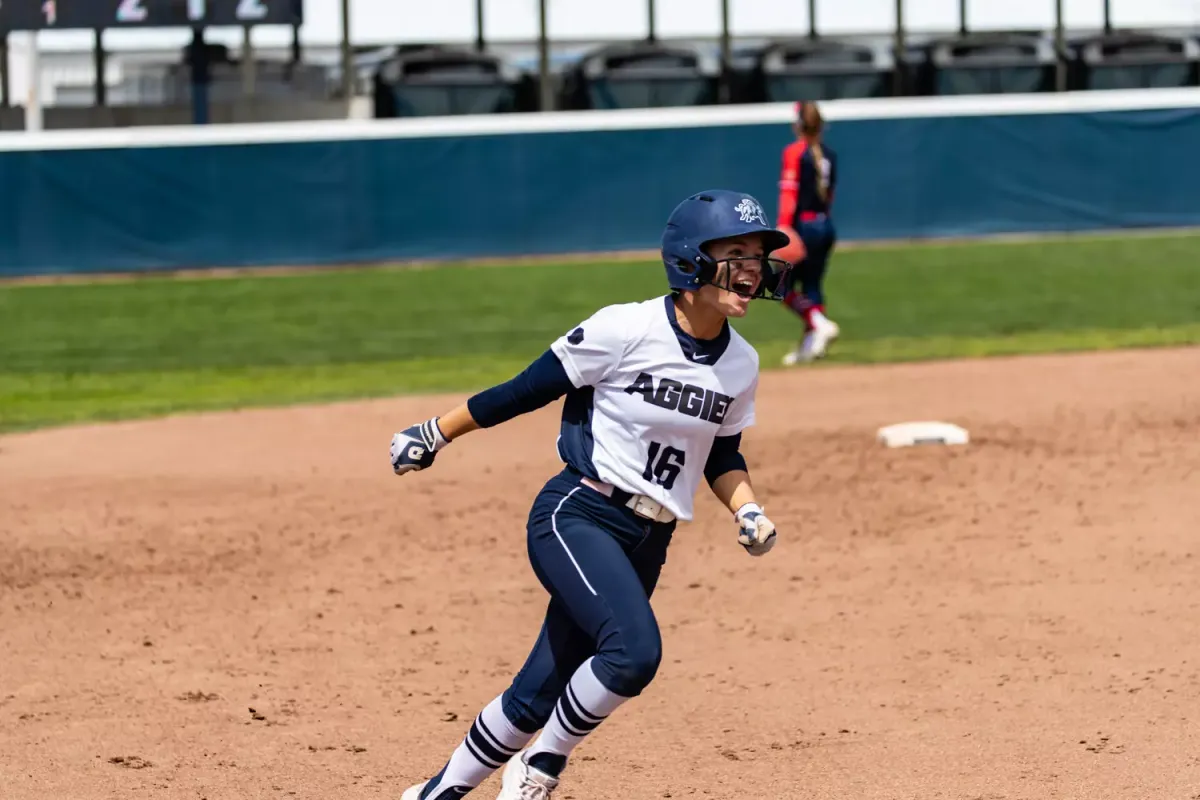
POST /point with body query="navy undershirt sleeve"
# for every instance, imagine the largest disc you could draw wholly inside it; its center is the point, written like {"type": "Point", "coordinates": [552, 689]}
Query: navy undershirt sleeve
{"type": "Point", "coordinates": [724, 457]}
{"type": "Point", "coordinates": [542, 382]}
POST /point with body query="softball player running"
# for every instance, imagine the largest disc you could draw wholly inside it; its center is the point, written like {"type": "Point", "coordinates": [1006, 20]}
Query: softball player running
{"type": "Point", "coordinates": [657, 396]}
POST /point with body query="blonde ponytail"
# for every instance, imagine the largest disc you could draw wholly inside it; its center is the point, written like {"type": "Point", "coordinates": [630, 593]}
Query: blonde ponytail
{"type": "Point", "coordinates": [822, 178]}
{"type": "Point", "coordinates": [812, 123]}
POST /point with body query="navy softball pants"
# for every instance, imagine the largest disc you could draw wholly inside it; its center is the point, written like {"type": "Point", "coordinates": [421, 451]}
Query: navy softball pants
{"type": "Point", "coordinates": [600, 563]}
{"type": "Point", "coordinates": [819, 237]}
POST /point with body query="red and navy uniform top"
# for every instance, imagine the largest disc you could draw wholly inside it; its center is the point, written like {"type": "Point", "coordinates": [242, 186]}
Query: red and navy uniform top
{"type": "Point", "coordinates": [807, 183]}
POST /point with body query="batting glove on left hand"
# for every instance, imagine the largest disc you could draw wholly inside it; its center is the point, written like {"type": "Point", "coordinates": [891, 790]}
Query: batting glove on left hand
{"type": "Point", "coordinates": [413, 449]}
{"type": "Point", "coordinates": [757, 533]}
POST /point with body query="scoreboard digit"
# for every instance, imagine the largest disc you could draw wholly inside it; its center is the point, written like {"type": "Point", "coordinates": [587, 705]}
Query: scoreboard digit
{"type": "Point", "coordinates": [130, 12]}
{"type": "Point", "coordinates": [255, 12]}
{"type": "Point", "coordinates": [38, 15]}
{"type": "Point", "coordinates": [248, 10]}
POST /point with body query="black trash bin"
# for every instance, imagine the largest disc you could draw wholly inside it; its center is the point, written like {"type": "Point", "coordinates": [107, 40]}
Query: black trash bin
{"type": "Point", "coordinates": [641, 75]}
{"type": "Point", "coordinates": [813, 69]}
{"type": "Point", "coordinates": [1128, 60]}
{"type": "Point", "coordinates": [434, 81]}
{"type": "Point", "coordinates": [988, 63]}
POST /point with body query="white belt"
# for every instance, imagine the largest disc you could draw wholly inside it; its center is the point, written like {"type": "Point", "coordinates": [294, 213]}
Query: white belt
{"type": "Point", "coordinates": [640, 504]}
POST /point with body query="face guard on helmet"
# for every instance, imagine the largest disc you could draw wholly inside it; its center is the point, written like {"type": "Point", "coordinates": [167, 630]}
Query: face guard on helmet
{"type": "Point", "coordinates": [708, 217]}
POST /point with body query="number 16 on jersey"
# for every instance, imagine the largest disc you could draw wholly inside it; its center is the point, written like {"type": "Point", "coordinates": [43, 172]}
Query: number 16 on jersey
{"type": "Point", "coordinates": [663, 464]}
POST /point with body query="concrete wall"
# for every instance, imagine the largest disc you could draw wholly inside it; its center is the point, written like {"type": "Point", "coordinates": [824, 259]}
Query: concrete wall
{"type": "Point", "coordinates": [349, 191]}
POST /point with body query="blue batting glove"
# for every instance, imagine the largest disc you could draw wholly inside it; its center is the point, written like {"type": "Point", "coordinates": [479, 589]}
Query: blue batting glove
{"type": "Point", "coordinates": [414, 449]}
{"type": "Point", "coordinates": [756, 533]}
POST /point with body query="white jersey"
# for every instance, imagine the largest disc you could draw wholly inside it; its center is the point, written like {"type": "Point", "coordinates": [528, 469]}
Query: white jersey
{"type": "Point", "coordinates": [649, 399]}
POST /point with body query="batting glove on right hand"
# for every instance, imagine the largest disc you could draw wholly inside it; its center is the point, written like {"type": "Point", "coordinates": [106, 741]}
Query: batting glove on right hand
{"type": "Point", "coordinates": [757, 533]}
{"type": "Point", "coordinates": [414, 449]}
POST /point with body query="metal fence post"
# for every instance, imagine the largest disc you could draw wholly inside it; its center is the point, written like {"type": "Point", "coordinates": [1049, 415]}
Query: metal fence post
{"type": "Point", "coordinates": [480, 41]}
{"type": "Point", "coordinates": [547, 90]}
{"type": "Point", "coordinates": [1060, 48]}
{"type": "Point", "coordinates": [347, 55]}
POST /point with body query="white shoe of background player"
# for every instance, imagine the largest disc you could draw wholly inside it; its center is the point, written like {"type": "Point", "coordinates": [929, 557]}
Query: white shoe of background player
{"type": "Point", "coordinates": [815, 344]}
{"type": "Point", "coordinates": [522, 782]}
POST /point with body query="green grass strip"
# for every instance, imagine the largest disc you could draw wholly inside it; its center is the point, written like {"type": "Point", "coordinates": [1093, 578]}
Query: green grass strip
{"type": "Point", "coordinates": [148, 346]}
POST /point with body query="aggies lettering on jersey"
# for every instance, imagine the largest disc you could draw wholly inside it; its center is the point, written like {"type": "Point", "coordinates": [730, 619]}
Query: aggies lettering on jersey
{"type": "Point", "coordinates": [649, 399]}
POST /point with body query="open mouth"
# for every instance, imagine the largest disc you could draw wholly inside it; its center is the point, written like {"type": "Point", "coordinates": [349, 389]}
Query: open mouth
{"type": "Point", "coordinates": [744, 287]}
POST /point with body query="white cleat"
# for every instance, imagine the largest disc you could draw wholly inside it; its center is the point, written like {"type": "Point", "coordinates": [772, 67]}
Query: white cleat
{"type": "Point", "coordinates": [815, 345]}
{"type": "Point", "coordinates": [522, 782]}
{"type": "Point", "coordinates": [816, 341]}
{"type": "Point", "coordinates": [413, 792]}
{"type": "Point", "coordinates": [823, 335]}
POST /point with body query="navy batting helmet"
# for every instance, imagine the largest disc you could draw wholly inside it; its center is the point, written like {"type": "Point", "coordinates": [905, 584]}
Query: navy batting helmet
{"type": "Point", "coordinates": [708, 216]}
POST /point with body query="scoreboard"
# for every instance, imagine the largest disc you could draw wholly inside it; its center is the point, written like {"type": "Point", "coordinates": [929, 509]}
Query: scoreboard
{"type": "Point", "coordinates": [45, 15]}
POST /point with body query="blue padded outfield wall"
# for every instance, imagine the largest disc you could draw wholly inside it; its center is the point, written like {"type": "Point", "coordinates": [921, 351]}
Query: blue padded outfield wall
{"type": "Point", "coordinates": [75, 202]}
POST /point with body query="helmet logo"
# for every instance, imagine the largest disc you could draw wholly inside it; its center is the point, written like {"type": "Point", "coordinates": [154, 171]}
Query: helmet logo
{"type": "Point", "coordinates": [751, 211]}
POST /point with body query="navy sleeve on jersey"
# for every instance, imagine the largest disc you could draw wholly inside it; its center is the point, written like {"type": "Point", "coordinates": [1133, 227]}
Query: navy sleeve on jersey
{"type": "Point", "coordinates": [724, 457]}
{"type": "Point", "coordinates": [542, 382]}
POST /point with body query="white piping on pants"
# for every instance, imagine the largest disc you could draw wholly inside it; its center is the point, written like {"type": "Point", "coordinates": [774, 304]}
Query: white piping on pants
{"type": "Point", "coordinates": [570, 555]}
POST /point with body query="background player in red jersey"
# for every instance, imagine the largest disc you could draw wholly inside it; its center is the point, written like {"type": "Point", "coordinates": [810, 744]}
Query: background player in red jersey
{"type": "Point", "coordinates": [806, 189]}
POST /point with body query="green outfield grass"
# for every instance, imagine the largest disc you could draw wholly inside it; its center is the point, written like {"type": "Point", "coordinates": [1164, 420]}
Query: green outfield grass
{"type": "Point", "coordinates": [80, 352]}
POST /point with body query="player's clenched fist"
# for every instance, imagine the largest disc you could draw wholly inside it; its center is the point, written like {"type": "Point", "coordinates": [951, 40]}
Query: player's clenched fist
{"type": "Point", "coordinates": [414, 448]}
{"type": "Point", "coordinates": [756, 533]}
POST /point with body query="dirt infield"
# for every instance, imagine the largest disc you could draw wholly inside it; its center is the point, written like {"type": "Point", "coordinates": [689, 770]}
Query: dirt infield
{"type": "Point", "coordinates": [252, 606]}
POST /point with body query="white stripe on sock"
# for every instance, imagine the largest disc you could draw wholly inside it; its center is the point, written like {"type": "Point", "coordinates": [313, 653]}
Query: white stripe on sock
{"type": "Point", "coordinates": [577, 705]}
{"type": "Point", "coordinates": [470, 764]}
{"type": "Point", "coordinates": [590, 700]}
{"type": "Point", "coordinates": [497, 727]}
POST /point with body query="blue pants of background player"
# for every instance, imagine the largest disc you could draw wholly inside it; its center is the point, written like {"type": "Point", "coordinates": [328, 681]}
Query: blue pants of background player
{"type": "Point", "coordinates": [600, 563]}
{"type": "Point", "coordinates": [819, 237]}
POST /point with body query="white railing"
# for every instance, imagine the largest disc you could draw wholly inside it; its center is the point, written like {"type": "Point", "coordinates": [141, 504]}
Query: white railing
{"type": "Point", "coordinates": [569, 121]}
